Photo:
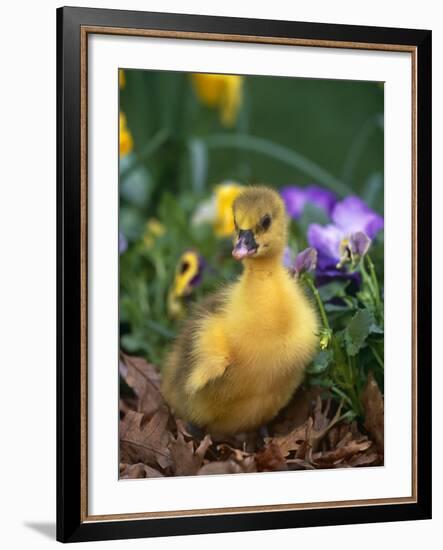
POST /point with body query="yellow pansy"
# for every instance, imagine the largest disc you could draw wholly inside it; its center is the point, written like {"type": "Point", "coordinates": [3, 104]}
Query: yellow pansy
{"type": "Point", "coordinates": [187, 277]}
{"type": "Point", "coordinates": [121, 79]}
{"type": "Point", "coordinates": [154, 229]}
{"type": "Point", "coordinates": [126, 141]}
{"type": "Point", "coordinates": [222, 92]}
{"type": "Point", "coordinates": [225, 195]}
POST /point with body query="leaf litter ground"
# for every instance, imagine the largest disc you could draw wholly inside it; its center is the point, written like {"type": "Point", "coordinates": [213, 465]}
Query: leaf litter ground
{"type": "Point", "coordinates": [310, 433]}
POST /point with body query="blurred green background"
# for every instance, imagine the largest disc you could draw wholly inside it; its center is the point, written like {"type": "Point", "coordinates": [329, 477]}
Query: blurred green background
{"type": "Point", "coordinates": [178, 147]}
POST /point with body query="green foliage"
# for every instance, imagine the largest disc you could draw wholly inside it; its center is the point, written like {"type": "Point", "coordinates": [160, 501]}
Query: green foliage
{"type": "Point", "coordinates": [355, 344]}
{"type": "Point", "coordinates": [357, 331]}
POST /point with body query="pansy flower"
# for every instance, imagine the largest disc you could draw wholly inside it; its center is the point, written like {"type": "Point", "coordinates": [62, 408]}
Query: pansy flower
{"type": "Point", "coordinates": [295, 199]}
{"type": "Point", "coordinates": [305, 261]}
{"type": "Point", "coordinates": [218, 209]}
{"type": "Point", "coordinates": [188, 275]}
{"type": "Point", "coordinates": [354, 226]}
{"type": "Point", "coordinates": [222, 92]}
{"type": "Point", "coordinates": [125, 137]}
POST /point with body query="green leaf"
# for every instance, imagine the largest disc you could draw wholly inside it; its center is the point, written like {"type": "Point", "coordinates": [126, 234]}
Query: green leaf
{"type": "Point", "coordinates": [320, 363]}
{"type": "Point", "coordinates": [333, 308]}
{"type": "Point", "coordinates": [321, 381]}
{"type": "Point", "coordinates": [357, 331]}
{"type": "Point", "coordinates": [334, 289]}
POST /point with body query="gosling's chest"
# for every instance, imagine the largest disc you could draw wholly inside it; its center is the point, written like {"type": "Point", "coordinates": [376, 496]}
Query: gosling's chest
{"type": "Point", "coordinates": [264, 322]}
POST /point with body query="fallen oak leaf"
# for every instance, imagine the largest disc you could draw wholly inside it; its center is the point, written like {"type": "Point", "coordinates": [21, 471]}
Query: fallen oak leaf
{"type": "Point", "coordinates": [144, 379]}
{"type": "Point", "coordinates": [221, 467]}
{"type": "Point", "coordinates": [270, 459]}
{"type": "Point", "coordinates": [295, 413]}
{"type": "Point", "coordinates": [369, 458]}
{"type": "Point", "coordinates": [139, 470]}
{"type": "Point", "coordinates": [306, 438]}
{"type": "Point", "coordinates": [340, 454]}
{"type": "Point", "coordinates": [227, 451]}
{"type": "Point", "coordinates": [186, 461]}
{"type": "Point", "coordinates": [126, 405]}
{"type": "Point", "coordinates": [145, 440]}
{"type": "Point", "coordinates": [299, 464]}
{"type": "Point", "coordinates": [373, 405]}
{"type": "Point", "coordinates": [228, 467]}
{"type": "Point", "coordinates": [291, 441]}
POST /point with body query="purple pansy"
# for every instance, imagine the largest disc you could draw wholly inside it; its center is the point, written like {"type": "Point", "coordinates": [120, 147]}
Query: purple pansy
{"type": "Point", "coordinates": [352, 214]}
{"type": "Point", "coordinates": [359, 244]}
{"type": "Point", "coordinates": [306, 260]}
{"type": "Point", "coordinates": [354, 221]}
{"type": "Point", "coordinates": [295, 199]}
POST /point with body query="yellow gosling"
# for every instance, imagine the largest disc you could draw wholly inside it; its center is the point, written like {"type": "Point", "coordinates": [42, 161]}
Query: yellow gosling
{"type": "Point", "coordinates": [242, 354]}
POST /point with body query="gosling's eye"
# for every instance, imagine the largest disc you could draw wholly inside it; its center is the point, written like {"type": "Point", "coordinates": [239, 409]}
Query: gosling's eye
{"type": "Point", "coordinates": [265, 222]}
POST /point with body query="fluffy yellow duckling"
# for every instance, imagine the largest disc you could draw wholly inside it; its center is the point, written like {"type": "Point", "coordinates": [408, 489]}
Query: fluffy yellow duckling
{"type": "Point", "coordinates": [242, 354]}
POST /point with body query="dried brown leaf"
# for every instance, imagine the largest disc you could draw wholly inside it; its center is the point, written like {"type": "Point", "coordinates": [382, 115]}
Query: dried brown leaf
{"type": "Point", "coordinates": [306, 438]}
{"type": "Point", "coordinates": [144, 379]}
{"type": "Point", "coordinates": [373, 404]}
{"type": "Point", "coordinates": [340, 454]}
{"type": "Point", "coordinates": [222, 467]}
{"type": "Point", "coordinates": [145, 440]}
{"type": "Point", "coordinates": [369, 458]}
{"type": "Point", "coordinates": [228, 467]}
{"type": "Point", "coordinates": [186, 461]}
{"type": "Point", "coordinates": [295, 413]}
{"type": "Point", "coordinates": [139, 470]}
{"type": "Point", "coordinates": [227, 451]}
{"type": "Point", "coordinates": [291, 441]}
{"type": "Point", "coordinates": [270, 459]}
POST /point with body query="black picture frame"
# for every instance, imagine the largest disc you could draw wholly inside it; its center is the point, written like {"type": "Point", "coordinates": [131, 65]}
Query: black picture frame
{"type": "Point", "coordinates": [71, 524]}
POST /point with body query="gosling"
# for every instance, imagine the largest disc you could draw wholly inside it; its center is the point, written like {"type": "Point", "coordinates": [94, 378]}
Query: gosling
{"type": "Point", "coordinates": [243, 352]}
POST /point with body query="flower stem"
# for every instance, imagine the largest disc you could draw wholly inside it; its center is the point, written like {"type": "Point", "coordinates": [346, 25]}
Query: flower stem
{"type": "Point", "coordinates": [374, 280]}
{"type": "Point", "coordinates": [320, 305]}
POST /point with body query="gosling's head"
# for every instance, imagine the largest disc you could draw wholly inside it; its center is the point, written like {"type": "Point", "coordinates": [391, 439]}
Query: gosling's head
{"type": "Point", "coordinates": [260, 224]}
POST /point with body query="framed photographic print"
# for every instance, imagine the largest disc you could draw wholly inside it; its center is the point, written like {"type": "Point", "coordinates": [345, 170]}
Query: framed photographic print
{"type": "Point", "coordinates": [244, 242]}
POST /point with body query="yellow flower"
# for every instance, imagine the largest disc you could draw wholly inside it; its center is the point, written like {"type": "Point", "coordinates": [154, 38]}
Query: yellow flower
{"type": "Point", "coordinates": [154, 229]}
{"type": "Point", "coordinates": [121, 79]}
{"type": "Point", "coordinates": [187, 277]}
{"type": "Point", "coordinates": [222, 92]}
{"type": "Point", "coordinates": [217, 210]}
{"type": "Point", "coordinates": [126, 141]}
{"type": "Point", "coordinates": [225, 194]}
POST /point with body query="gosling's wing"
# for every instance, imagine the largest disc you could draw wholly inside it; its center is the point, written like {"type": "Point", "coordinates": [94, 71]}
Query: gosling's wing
{"type": "Point", "coordinates": [199, 352]}
{"type": "Point", "coordinates": [210, 354]}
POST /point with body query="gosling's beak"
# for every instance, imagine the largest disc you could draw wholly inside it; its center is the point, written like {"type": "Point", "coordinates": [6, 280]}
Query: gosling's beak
{"type": "Point", "coordinates": [245, 245]}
